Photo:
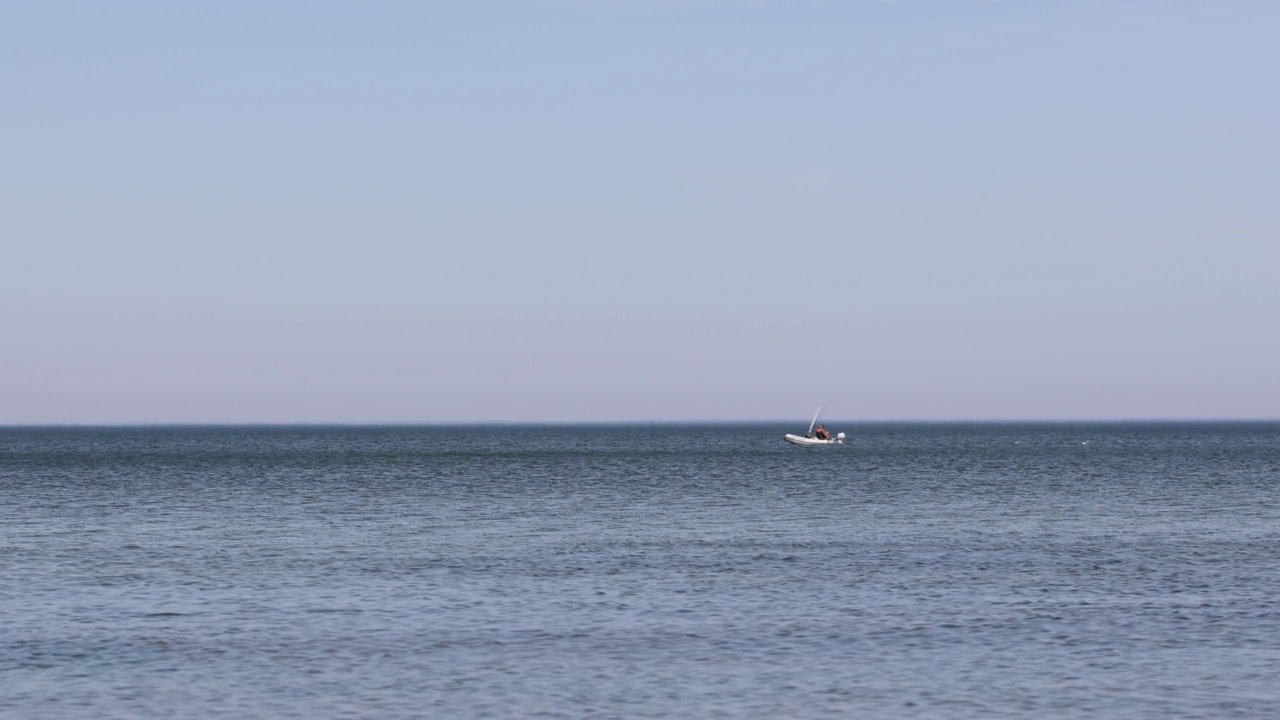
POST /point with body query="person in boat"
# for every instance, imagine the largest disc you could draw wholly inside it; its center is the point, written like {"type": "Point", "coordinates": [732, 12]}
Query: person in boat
{"type": "Point", "coordinates": [821, 433]}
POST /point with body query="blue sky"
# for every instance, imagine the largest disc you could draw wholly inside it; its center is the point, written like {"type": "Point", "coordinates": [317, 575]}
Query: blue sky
{"type": "Point", "coordinates": [585, 211]}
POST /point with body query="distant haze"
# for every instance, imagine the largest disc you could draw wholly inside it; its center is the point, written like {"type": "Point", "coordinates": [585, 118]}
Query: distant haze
{"type": "Point", "coordinates": [638, 211]}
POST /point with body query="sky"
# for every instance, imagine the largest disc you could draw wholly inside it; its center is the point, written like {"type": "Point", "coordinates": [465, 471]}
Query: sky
{"type": "Point", "coordinates": [659, 210]}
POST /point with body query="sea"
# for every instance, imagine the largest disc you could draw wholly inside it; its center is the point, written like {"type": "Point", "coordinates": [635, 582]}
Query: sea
{"type": "Point", "coordinates": [648, 571]}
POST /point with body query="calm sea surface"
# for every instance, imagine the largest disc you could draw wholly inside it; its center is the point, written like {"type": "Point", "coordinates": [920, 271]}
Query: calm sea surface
{"type": "Point", "coordinates": [920, 571]}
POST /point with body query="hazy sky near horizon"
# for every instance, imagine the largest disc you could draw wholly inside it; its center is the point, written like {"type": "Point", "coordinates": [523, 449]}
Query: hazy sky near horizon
{"type": "Point", "coordinates": [609, 211]}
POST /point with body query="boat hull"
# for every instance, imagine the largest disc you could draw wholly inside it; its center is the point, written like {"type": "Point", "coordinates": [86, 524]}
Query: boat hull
{"type": "Point", "coordinates": [802, 440]}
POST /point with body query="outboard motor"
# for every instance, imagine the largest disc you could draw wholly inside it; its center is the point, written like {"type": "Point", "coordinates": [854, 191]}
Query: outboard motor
{"type": "Point", "coordinates": [840, 437]}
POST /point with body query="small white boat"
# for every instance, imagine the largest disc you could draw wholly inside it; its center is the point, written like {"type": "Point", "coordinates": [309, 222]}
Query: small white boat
{"type": "Point", "coordinates": [804, 440]}
{"type": "Point", "coordinates": [809, 438]}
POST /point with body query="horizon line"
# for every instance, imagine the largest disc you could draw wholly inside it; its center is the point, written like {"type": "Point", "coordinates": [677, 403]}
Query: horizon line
{"type": "Point", "coordinates": [634, 423]}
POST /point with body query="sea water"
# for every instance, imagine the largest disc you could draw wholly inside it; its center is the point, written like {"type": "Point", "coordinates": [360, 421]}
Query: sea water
{"type": "Point", "coordinates": [921, 571]}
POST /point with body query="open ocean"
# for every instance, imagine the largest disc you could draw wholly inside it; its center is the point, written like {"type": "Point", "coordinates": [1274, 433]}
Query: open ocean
{"type": "Point", "coordinates": [919, 571]}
